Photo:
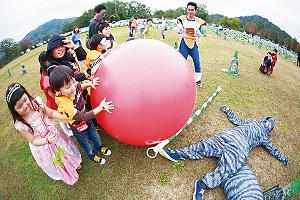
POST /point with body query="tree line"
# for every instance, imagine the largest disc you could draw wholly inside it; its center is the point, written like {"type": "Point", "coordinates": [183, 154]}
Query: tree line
{"type": "Point", "coordinates": [259, 26]}
{"type": "Point", "coordinates": [10, 49]}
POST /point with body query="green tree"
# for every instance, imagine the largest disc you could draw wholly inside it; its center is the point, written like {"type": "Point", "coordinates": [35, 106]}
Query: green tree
{"type": "Point", "coordinates": [116, 8]}
{"type": "Point", "coordinates": [260, 25]}
{"type": "Point", "coordinates": [82, 21]}
{"type": "Point", "coordinates": [235, 23]}
{"type": "Point", "coordinates": [158, 14]}
{"type": "Point", "coordinates": [202, 11]}
{"type": "Point", "coordinates": [9, 50]}
{"type": "Point", "coordinates": [137, 9]}
{"type": "Point", "coordinates": [225, 22]}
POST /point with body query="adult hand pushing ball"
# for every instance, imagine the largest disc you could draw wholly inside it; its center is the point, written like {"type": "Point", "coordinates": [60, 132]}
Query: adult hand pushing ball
{"type": "Point", "coordinates": [152, 87]}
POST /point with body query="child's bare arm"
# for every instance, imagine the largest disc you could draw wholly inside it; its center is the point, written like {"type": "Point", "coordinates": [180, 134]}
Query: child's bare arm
{"type": "Point", "coordinates": [54, 114]}
{"type": "Point", "coordinates": [104, 105]}
{"type": "Point", "coordinates": [38, 141]}
{"type": "Point", "coordinates": [93, 83]}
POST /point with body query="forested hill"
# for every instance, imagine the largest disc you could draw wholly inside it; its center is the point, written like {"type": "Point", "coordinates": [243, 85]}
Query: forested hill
{"type": "Point", "coordinates": [45, 30]}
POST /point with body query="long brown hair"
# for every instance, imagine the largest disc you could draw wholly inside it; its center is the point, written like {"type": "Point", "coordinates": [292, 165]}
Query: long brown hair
{"type": "Point", "coordinates": [13, 97]}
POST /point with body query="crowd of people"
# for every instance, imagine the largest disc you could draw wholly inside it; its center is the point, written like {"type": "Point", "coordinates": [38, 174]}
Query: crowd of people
{"type": "Point", "coordinates": [65, 85]}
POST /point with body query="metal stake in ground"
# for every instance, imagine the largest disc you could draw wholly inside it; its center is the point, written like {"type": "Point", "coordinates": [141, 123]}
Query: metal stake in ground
{"type": "Point", "coordinates": [163, 143]}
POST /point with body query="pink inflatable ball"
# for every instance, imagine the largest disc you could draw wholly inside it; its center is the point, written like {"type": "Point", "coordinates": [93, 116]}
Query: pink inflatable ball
{"type": "Point", "coordinates": [152, 87]}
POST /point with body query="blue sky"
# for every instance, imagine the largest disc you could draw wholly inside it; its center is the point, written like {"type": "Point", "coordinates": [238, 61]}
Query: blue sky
{"type": "Point", "coordinates": [17, 19]}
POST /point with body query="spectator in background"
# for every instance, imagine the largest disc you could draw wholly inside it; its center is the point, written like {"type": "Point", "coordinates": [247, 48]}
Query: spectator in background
{"type": "Point", "coordinates": [104, 28]}
{"type": "Point", "coordinates": [189, 35]}
{"type": "Point", "coordinates": [99, 14]}
{"type": "Point", "coordinates": [274, 60]}
{"type": "Point", "coordinates": [148, 32]}
{"type": "Point", "coordinates": [142, 25]}
{"type": "Point", "coordinates": [298, 59]}
{"type": "Point", "coordinates": [133, 27]}
{"type": "Point", "coordinates": [76, 36]}
{"type": "Point", "coordinates": [163, 27]}
{"type": "Point", "coordinates": [112, 19]}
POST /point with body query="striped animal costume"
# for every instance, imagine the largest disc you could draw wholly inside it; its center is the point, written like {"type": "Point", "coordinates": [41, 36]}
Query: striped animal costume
{"type": "Point", "coordinates": [242, 185]}
{"type": "Point", "coordinates": [232, 147]}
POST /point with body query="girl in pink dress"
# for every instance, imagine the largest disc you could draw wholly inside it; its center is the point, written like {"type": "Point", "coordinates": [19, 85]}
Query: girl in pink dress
{"type": "Point", "coordinates": [52, 149]}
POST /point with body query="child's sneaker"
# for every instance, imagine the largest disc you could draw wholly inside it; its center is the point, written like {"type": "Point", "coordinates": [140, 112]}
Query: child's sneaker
{"type": "Point", "coordinates": [198, 193]}
{"type": "Point", "coordinates": [170, 154]}
{"type": "Point", "coordinates": [99, 160]}
{"type": "Point", "coordinates": [105, 151]}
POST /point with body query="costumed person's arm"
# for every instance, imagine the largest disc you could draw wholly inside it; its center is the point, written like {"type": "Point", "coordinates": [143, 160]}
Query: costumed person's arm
{"type": "Point", "coordinates": [233, 118]}
{"type": "Point", "coordinates": [179, 26]}
{"type": "Point", "coordinates": [275, 152]}
{"type": "Point", "coordinates": [201, 23]}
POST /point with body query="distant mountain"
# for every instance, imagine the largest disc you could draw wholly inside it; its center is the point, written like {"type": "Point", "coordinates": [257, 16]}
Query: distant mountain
{"type": "Point", "coordinates": [264, 28]}
{"type": "Point", "coordinates": [215, 18]}
{"type": "Point", "coordinates": [266, 23]}
{"type": "Point", "coordinates": [52, 27]}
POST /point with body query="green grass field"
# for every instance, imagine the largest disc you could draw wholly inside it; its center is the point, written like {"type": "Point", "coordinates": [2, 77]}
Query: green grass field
{"type": "Point", "coordinates": [129, 173]}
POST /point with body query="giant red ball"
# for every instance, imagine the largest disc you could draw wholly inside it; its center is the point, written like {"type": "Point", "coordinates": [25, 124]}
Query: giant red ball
{"type": "Point", "coordinates": [152, 87]}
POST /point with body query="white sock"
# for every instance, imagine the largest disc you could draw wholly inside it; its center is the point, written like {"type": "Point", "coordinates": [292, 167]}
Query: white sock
{"type": "Point", "coordinates": [198, 77]}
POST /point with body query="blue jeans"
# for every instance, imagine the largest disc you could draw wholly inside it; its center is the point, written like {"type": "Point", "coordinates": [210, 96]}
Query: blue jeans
{"type": "Point", "coordinates": [194, 53]}
{"type": "Point", "coordinates": [83, 138]}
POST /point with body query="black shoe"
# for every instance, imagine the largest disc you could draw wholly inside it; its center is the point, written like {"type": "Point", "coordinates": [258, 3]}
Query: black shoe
{"type": "Point", "coordinates": [199, 84]}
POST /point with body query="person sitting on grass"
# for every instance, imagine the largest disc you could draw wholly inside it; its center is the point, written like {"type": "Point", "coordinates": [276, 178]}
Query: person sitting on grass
{"type": "Point", "coordinates": [231, 147]}
{"type": "Point", "coordinates": [265, 67]}
{"type": "Point", "coordinates": [71, 104]}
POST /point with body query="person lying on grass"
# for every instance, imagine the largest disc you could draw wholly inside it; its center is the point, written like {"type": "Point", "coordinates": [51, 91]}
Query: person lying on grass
{"type": "Point", "coordinates": [231, 147]}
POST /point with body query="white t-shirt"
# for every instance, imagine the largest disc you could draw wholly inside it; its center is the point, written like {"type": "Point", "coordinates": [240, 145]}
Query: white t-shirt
{"type": "Point", "coordinates": [164, 24]}
{"type": "Point", "coordinates": [142, 23]}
